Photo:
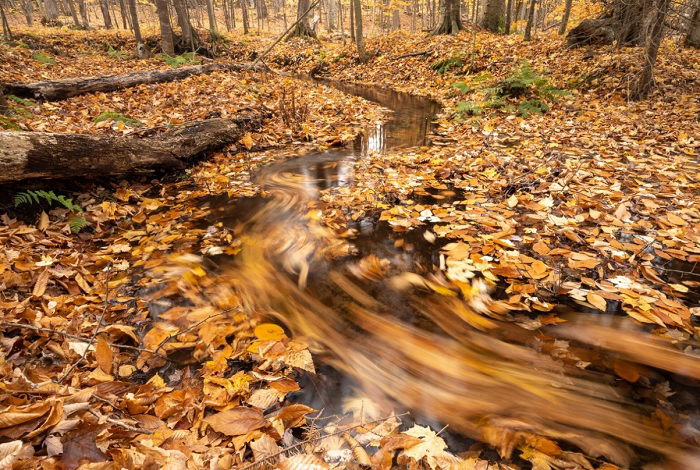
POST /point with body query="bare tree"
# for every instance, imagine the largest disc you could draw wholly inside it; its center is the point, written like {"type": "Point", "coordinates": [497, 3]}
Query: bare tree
{"type": "Point", "coordinates": [246, 21]}
{"type": "Point", "coordinates": [530, 20]}
{"type": "Point", "coordinates": [565, 17]}
{"type": "Point", "coordinates": [451, 19]}
{"type": "Point", "coordinates": [83, 14]}
{"type": "Point", "coordinates": [140, 47]}
{"type": "Point", "coordinates": [509, 16]}
{"type": "Point", "coordinates": [6, 32]}
{"type": "Point", "coordinates": [167, 44]}
{"type": "Point", "coordinates": [359, 35]}
{"type": "Point", "coordinates": [212, 16]}
{"type": "Point", "coordinates": [27, 10]}
{"type": "Point", "coordinates": [692, 38]}
{"type": "Point", "coordinates": [104, 7]}
{"type": "Point", "coordinates": [303, 28]}
{"type": "Point", "coordinates": [73, 12]}
{"type": "Point", "coordinates": [645, 80]}
{"type": "Point", "coordinates": [493, 16]}
{"type": "Point", "coordinates": [51, 9]}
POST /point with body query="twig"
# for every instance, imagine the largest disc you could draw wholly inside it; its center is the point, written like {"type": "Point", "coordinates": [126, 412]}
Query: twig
{"type": "Point", "coordinates": [175, 335]}
{"type": "Point", "coordinates": [414, 54]}
{"type": "Point", "coordinates": [84, 339]}
{"type": "Point", "coordinates": [94, 333]}
{"type": "Point", "coordinates": [261, 56]}
{"type": "Point", "coordinates": [314, 439]}
{"type": "Point", "coordinates": [121, 424]}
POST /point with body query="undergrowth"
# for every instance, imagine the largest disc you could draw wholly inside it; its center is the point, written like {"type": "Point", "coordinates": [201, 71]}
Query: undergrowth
{"type": "Point", "coordinates": [524, 92]}
{"type": "Point", "coordinates": [49, 198]}
{"type": "Point", "coordinates": [118, 117]}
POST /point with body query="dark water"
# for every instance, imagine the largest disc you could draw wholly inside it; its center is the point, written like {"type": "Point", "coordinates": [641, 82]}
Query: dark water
{"type": "Point", "coordinates": [399, 344]}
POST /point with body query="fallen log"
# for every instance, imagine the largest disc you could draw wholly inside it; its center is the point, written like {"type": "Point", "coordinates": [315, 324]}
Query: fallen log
{"type": "Point", "coordinates": [56, 90]}
{"type": "Point", "coordinates": [25, 155]}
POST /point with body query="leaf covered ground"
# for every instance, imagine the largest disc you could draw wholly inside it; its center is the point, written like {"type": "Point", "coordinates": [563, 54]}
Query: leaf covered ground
{"type": "Point", "coordinates": [123, 350]}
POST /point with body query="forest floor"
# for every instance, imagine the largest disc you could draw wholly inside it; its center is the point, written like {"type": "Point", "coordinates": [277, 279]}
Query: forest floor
{"type": "Point", "coordinates": [123, 349]}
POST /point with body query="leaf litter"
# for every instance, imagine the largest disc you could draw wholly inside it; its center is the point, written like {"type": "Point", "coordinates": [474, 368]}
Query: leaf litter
{"type": "Point", "coordinates": [192, 367]}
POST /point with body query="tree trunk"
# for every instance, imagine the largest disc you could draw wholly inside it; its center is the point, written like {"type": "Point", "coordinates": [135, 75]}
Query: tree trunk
{"type": "Point", "coordinates": [135, 22]}
{"type": "Point", "coordinates": [359, 38]}
{"type": "Point", "coordinates": [167, 44]}
{"type": "Point", "coordinates": [212, 16]}
{"type": "Point", "coordinates": [493, 16]}
{"type": "Point", "coordinates": [509, 16]}
{"type": "Point", "coordinates": [6, 32]}
{"type": "Point", "coordinates": [56, 90]}
{"type": "Point", "coordinates": [565, 17]}
{"type": "Point", "coordinates": [27, 10]}
{"type": "Point", "coordinates": [692, 38]}
{"type": "Point", "coordinates": [352, 21]}
{"type": "Point", "coordinates": [25, 155]}
{"type": "Point", "coordinates": [644, 83]}
{"type": "Point", "coordinates": [246, 21]}
{"type": "Point", "coordinates": [126, 20]}
{"type": "Point", "coordinates": [303, 28]}
{"type": "Point", "coordinates": [84, 14]}
{"type": "Point", "coordinates": [451, 19]}
{"type": "Point", "coordinates": [51, 9]}
{"type": "Point", "coordinates": [73, 13]}
{"type": "Point", "coordinates": [105, 14]}
{"type": "Point", "coordinates": [530, 20]}
{"type": "Point", "coordinates": [183, 19]}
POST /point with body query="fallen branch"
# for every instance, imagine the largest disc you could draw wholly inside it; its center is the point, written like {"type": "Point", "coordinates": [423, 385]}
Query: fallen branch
{"type": "Point", "coordinates": [55, 90]}
{"type": "Point", "coordinates": [414, 54]}
{"type": "Point", "coordinates": [79, 338]}
{"type": "Point", "coordinates": [26, 155]}
{"type": "Point", "coordinates": [314, 439]}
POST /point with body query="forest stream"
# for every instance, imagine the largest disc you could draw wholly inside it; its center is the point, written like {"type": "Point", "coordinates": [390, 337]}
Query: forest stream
{"type": "Point", "coordinates": [387, 324]}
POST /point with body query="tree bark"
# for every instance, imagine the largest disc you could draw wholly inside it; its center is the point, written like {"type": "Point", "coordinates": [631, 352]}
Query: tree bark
{"type": "Point", "coordinates": [51, 9]}
{"type": "Point", "coordinates": [359, 35]}
{"type": "Point", "coordinates": [126, 21]}
{"type": "Point", "coordinates": [565, 17]}
{"type": "Point", "coordinates": [183, 19]}
{"type": "Point", "coordinates": [25, 155]}
{"type": "Point", "coordinates": [56, 90]}
{"type": "Point", "coordinates": [493, 17]}
{"type": "Point", "coordinates": [212, 16]}
{"type": "Point", "coordinates": [135, 22]}
{"type": "Point", "coordinates": [73, 12]}
{"type": "Point", "coordinates": [6, 32]}
{"type": "Point", "coordinates": [105, 14]}
{"type": "Point", "coordinates": [27, 10]}
{"type": "Point", "coordinates": [83, 14]}
{"type": "Point", "coordinates": [509, 16]}
{"type": "Point", "coordinates": [451, 20]}
{"type": "Point", "coordinates": [644, 83]}
{"type": "Point", "coordinates": [530, 20]}
{"type": "Point", "coordinates": [303, 28]}
{"type": "Point", "coordinates": [167, 44]}
{"type": "Point", "coordinates": [692, 38]}
{"type": "Point", "coordinates": [246, 20]}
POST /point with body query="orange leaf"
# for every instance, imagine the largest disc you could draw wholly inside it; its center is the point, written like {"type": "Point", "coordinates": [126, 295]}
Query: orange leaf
{"type": "Point", "coordinates": [236, 421]}
{"type": "Point", "coordinates": [104, 356]}
{"type": "Point", "coordinates": [269, 332]}
{"type": "Point", "coordinates": [40, 285]}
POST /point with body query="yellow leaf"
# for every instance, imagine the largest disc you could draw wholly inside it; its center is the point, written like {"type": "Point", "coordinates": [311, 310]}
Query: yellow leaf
{"type": "Point", "coordinates": [247, 140]}
{"type": "Point", "coordinates": [269, 332]}
{"type": "Point", "coordinates": [597, 301]}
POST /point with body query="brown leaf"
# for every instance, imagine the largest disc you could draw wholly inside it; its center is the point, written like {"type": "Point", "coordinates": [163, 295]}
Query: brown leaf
{"type": "Point", "coordinates": [104, 355]}
{"type": "Point", "coordinates": [79, 447]}
{"type": "Point", "coordinates": [294, 415]}
{"type": "Point", "coordinates": [40, 285]}
{"type": "Point", "coordinates": [236, 421]}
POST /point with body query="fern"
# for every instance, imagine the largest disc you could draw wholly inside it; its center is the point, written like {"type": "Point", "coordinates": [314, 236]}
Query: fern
{"type": "Point", "coordinates": [29, 197]}
{"type": "Point", "coordinates": [115, 53]}
{"type": "Point", "coordinates": [445, 65]}
{"type": "Point", "coordinates": [35, 197]}
{"type": "Point", "coordinates": [114, 116]}
{"type": "Point", "coordinates": [44, 58]}
{"type": "Point", "coordinates": [178, 60]}
{"type": "Point", "coordinates": [22, 101]}
{"type": "Point", "coordinates": [77, 223]}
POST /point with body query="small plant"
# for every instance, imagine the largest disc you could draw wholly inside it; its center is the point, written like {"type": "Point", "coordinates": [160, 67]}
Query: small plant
{"type": "Point", "coordinates": [9, 124]}
{"type": "Point", "coordinates": [22, 101]}
{"type": "Point", "coordinates": [44, 58]}
{"type": "Point", "coordinates": [29, 197]}
{"type": "Point", "coordinates": [115, 53]}
{"type": "Point", "coordinates": [524, 91]}
{"type": "Point", "coordinates": [445, 65]}
{"type": "Point", "coordinates": [292, 113]}
{"type": "Point", "coordinates": [118, 117]}
{"type": "Point", "coordinates": [178, 60]}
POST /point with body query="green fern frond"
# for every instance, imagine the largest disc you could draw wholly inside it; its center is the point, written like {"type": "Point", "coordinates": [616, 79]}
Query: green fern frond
{"type": "Point", "coordinates": [35, 197]}
{"type": "Point", "coordinates": [77, 223]}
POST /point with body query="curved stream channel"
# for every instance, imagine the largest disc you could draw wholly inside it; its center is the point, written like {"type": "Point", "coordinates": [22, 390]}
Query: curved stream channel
{"type": "Point", "coordinates": [383, 330]}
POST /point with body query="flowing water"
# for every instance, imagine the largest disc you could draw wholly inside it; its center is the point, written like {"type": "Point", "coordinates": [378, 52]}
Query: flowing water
{"type": "Point", "coordinates": [385, 321]}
